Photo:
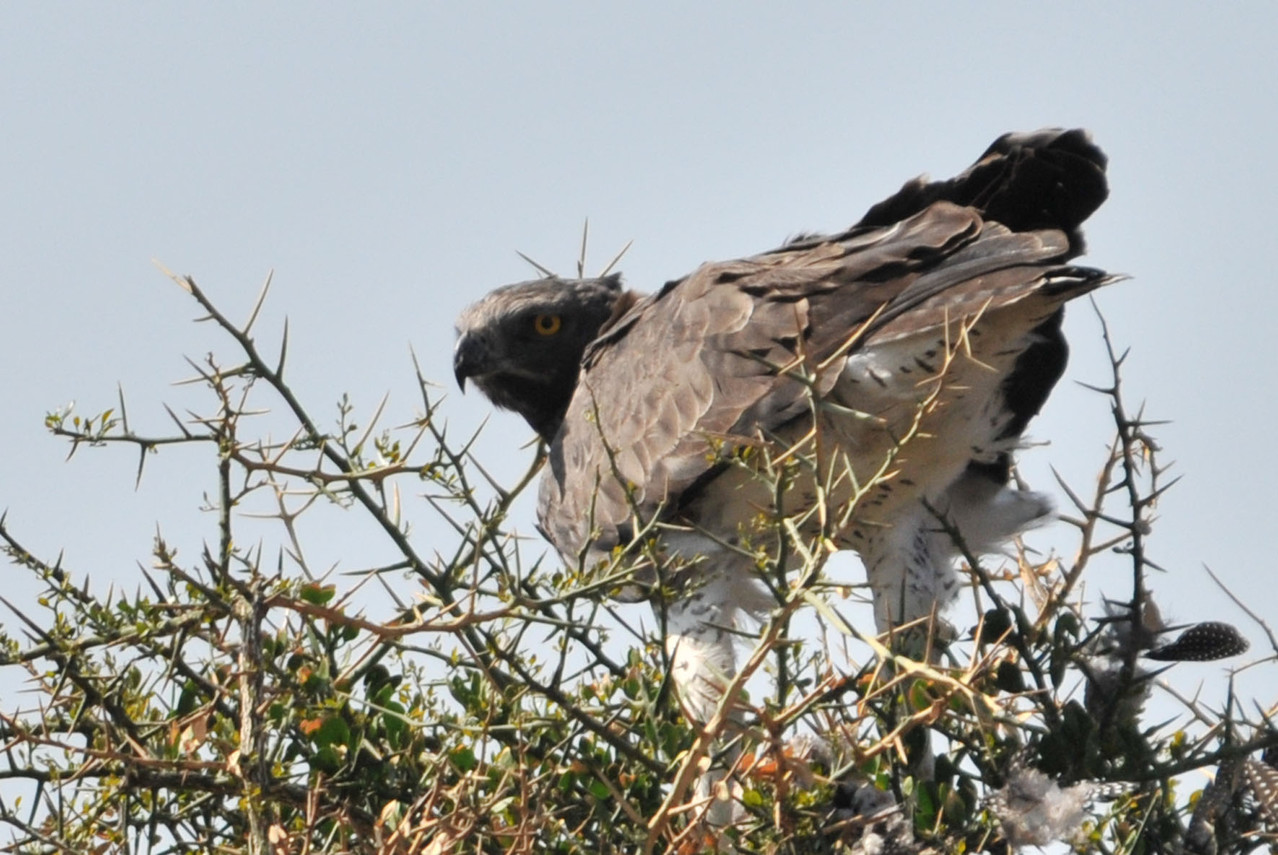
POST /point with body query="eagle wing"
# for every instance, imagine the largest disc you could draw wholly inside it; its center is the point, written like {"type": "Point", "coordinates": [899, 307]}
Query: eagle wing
{"type": "Point", "coordinates": [704, 358]}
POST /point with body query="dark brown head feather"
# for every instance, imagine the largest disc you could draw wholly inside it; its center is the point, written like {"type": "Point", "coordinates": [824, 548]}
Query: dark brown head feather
{"type": "Point", "coordinates": [534, 373]}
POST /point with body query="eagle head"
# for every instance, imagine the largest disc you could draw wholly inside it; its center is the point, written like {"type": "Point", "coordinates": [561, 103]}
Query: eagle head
{"type": "Point", "coordinates": [522, 344]}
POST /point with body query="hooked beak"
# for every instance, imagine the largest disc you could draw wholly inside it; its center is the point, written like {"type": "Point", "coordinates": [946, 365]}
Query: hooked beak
{"type": "Point", "coordinates": [469, 358]}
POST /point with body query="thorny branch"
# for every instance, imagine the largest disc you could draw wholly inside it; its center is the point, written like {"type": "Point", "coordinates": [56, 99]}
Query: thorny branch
{"type": "Point", "coordinates": [237, 706]}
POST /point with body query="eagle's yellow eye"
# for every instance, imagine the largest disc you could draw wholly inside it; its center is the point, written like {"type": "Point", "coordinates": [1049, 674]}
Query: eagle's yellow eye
{"type": "Point", "coordinates": [547, 324]}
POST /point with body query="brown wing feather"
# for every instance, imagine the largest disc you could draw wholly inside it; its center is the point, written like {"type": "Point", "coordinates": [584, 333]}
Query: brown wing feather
{"type": "Point", "coordinates": [697, 360]}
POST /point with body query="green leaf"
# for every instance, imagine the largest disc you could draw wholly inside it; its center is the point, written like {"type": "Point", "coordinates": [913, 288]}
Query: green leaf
{"type": "Point", "coordinates": [463, 759]}
{"type": "Point", "coordinates": [327, 760]}
{"type": "Point", "coordinates": [318, 595]}
{"type": "Point", "coordinates": [333, 731]}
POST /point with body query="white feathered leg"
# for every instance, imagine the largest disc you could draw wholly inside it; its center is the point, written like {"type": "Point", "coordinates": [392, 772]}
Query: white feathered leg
{"type": "Point", "coordinates": [910, 564]}
{"type": "Point", "coordinates": [699, 643]}
{"type": "Point", "coordinates": [989, 514]}
{"type": "Point", "coordinates": [908, 569]}
{"type": "Point", "coordinates": [720, 593]}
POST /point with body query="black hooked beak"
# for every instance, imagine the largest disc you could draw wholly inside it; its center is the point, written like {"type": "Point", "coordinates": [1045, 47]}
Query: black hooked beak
{"type": "Point", "coordinates": [469, 358]}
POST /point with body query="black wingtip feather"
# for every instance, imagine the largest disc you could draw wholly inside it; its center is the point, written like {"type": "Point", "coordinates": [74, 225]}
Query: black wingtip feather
{"type": "Point", "coordinates": [1046, 179]}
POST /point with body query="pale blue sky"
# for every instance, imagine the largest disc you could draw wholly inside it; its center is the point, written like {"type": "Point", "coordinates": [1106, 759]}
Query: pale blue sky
{"type": "Point", "coordinates": [387, 162]}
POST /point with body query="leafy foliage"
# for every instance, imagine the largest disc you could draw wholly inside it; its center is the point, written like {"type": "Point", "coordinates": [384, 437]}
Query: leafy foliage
{"type": "Point", "coordinates": [240, 703]}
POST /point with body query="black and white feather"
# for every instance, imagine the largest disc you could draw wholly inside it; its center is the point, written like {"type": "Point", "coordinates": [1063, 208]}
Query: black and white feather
{"type": "Point", "coordinates": [1262, 780]}
{"type": "Point", "coordinates": [1202, 642]}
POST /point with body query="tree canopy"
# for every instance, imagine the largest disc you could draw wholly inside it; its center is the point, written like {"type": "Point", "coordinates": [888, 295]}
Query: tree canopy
{"type": "Point", "coordinates": [492, 700]}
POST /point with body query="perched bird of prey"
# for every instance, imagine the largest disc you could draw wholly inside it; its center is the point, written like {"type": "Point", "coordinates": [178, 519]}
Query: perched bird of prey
{"type": "Point", "coordinates": [894, 365]}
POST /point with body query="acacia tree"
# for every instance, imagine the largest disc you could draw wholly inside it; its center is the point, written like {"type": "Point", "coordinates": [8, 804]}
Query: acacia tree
{"type": "Point", "coordinates": [242, 702]}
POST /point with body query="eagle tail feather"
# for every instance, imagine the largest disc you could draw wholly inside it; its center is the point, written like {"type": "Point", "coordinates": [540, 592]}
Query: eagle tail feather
{"type": "Point", "coordinates": [1046, 179]}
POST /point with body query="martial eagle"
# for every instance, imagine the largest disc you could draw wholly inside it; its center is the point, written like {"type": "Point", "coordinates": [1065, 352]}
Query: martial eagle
{"type": "Point", "coordinates": [903, 357]}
